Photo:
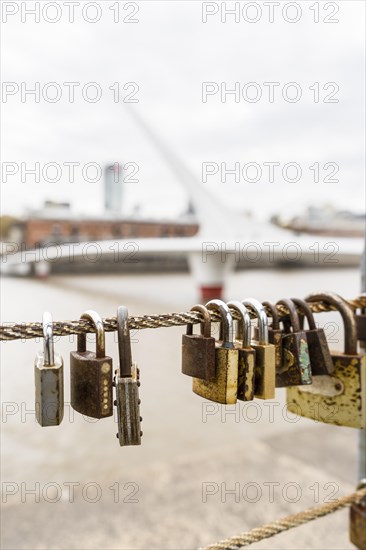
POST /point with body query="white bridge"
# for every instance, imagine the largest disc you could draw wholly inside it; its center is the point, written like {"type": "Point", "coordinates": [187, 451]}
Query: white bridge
{"type": "Point", "coordinates": [225, 238]}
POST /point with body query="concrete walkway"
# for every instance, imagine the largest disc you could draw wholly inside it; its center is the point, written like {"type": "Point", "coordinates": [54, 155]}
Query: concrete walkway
{"type": "Point", "coordinates": [202, 473]}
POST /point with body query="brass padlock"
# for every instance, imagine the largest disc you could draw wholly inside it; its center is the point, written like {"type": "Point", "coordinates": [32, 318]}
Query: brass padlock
{"type": "Point", "coordinates": [265, 354]}
{"type": "Point", "coordinates": [127, 386]}
{"type": "Point", "coordinates": [246, 352]}
{"type": "Point", "coordinates": [357, 519]}
{"type": "Point", "coordinates": [198, 350]}
{"type": "Point", "coordinates": [223, 388]}
{"type": "Point", "coordinates": [319, 353]}
{"type": "Point", "coordinates": [338, 398]}
{"type": "Point", "coordinates": [295, 369]}
{"type": "Point", "coordinates": [91, 374]}
{"type": "Point", "coordinates": [275, 333]}
{"type": "Point", "coordinates": [49, 380]}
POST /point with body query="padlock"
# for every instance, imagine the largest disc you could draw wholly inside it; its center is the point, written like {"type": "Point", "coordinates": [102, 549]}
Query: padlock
{"type": "Point", "coordinates": [127, 386]}
{"type": "Point", "coordinates": [91, 374]}
{"type": "Point", "coordinates": [319, 353]}
{"type": "Point", "coordinates": [275, 333]}
{"type": "Point", "coordinates": [295, 369]}
{"type": "Point", "coordinates": [361, 325]}
{"type": "Point", "coordinates": [357, 521]}
{"type": "Point", "coordinates": [338, 398]}
{"type": "Point", "coordinates": [223, 388]}
{"type": "Point", "coordinates": [49, 380]}
{"type": "Point", "coordinates": [246, 352]}
{"type": "Point", "coordinates": [265, 354]}
{"type": "Point", "coordinates": [198, 350]}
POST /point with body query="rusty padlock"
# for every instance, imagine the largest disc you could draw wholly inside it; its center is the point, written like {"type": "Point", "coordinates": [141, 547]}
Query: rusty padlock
{"type": "Point", "coordinates": [246, 358]}
{"type": "Point", "coordinates": [357, 519]}
{"type": "Point", "coordinates": [295, 369]}
{"type": "Point", "coordinates": [265, 359]}
{"type": "Point", "coordinates": [275, 333]}
{"type": "Point", "coordinates": [361, 325]}
{"type": "Point", "coordinates": [198, 350]}
{"type": "Point", "coordinates": [127, 382]}
{"type": "Point", "coordinates": [319, 352]}
{"type": "Point", "coordinates": [338, 398]}
{"type": "Point", "coordinates": [224, 387]}
{"type": "Point", "coordinates": [91, 374]}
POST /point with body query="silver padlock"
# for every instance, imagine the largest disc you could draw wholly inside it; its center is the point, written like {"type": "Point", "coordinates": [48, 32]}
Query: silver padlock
{"type": "Point", "coordinates": [49, 380]}
{"type": "Point", "coordinates": [127, 386]}
{"type": "Point", "coordinates": [265, 354]}
{"type": "Point", "coordinates": [246, 352]}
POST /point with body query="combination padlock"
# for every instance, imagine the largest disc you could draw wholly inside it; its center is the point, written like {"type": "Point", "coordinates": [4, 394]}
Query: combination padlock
{"type": "Point", "coordinates": [338, 398]}
{"type": "Point", "coordinates": [265, 354]}
{"type": "Point", "coordinates": [246, 352]}
{"type": "Point", "coordinates": [91, 374]}
{"type": "Point", "coordinates": [198, 350]}
{"type": "Point", "coordinates": [319, 352]}
{"type": "Point", "coordinates": [295, 369]}
{"type": "Point", "coordinates": [223, 388]}
{"type": "Point", "coordinates": [127, 386]}
{"type": "Point", "coordinates": [49, 380]}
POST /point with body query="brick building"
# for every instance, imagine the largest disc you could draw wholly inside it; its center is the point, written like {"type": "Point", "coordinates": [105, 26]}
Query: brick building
{"type": "Point", "coordinates": [35, 231]}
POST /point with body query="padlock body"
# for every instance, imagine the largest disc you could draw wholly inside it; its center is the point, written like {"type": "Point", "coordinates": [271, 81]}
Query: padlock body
{"type": "Point", "coordinates": [348, 408]}
{"type": "Point", "coordinates": [361, 328]}
{"type": "Point", "coordinates": [264, 371]}
{"type": "Point", "coordinates": [275, 338]}
{"type": "Point", "coordinates": [128, 409]}
{"type": "Point", "coordinates": [246, 374]}
{"type": "Point", "coordinates": [91, 384]}
{"type": "Point", "coordinates": [198, 356]}
{"type": "Point", "coordinates": [357, 529]}
{"type": "Point", "coordinates": [223, 388]}
{"type": "Point", "coordinates": [49, 394]}
{"type": "Point", "coordinates": [295, 369]}
{"type": "Point", "coordinates": [319, 353]}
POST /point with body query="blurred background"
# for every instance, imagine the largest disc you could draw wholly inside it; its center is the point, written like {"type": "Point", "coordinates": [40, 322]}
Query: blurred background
{"type": "Point", "coordinates": [119, 127]}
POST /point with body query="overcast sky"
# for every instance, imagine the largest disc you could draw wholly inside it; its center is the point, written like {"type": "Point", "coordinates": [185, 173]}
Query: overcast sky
{"type": "Point", "coordinates": [168, 54]}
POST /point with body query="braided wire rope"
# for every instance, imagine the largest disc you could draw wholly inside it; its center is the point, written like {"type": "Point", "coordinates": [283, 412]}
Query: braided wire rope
{"type": "Point", "coordinates": [26, 331]}
{"type": "Point", "coordinates": [286, 523]}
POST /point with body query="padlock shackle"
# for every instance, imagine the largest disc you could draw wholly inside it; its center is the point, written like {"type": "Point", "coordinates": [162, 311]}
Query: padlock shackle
{"type": "Point", "coordinates": [124, 343]}
{"type": "Point", "coordinates": [243, 332]}
{"type": "Point", "coordinates": [274, 314]}
{"type": "Point", "coordinates": [304, 306]}
{"type": "Point", "coordinates": [260, 311]}
{"type": "Point", "coordinates": [349, 321]}
{"type": "Point", "coordinates": [206, 323]}
{"type": "Point", "coordinates": [294, 317]}
{"type": "Point", "coordinates": [226, 323]}
{"type": "Point", "coordinates": [48, 348]}
{"type": "Point", "coordinates": [96, 319]}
